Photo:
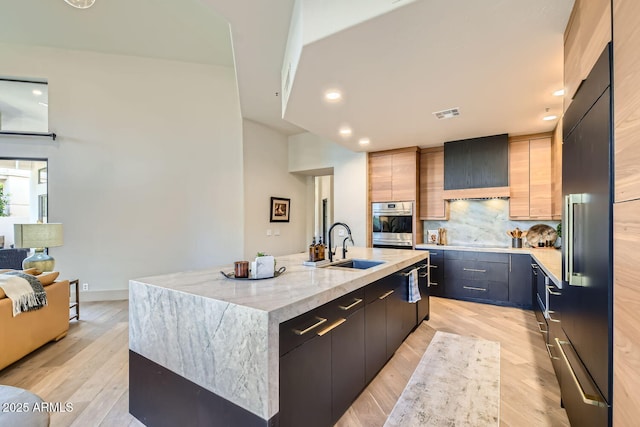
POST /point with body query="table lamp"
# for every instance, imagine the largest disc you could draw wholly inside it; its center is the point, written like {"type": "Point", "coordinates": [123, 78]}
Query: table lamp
{"type": "Point", "coordinates": [39, 237]}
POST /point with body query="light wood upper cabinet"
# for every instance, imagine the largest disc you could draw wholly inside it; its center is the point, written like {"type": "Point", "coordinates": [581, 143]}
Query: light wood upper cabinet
{"type": "Point", "coordinates": [530, 177]}
{"type": "Point", "coordinates": [433, 206]}
{"type": "Point", "coordinates": [519, 178]}
{"type": "Point", "coordinates": [404, 175]}
{"type": "Point", "coordinates": [380, 171]}
{"type": "Point", "coordinates": [556, 172]}
{"type": "Point", "coordinates": [540, 178]}
{"type": "Point", "coordinates": [626, 78]}
{"type": "Point", "coordinates": [393, 175]}
{"type": "Point", "coordinates": [626, 287]}
{"type": "Point", "coordinates": [587, 34]}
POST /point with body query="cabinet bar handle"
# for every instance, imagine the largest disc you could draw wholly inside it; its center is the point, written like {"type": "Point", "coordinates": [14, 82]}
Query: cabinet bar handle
{"type": "Point", "coordinates": [423, 266]}
{"type": "Point", "coordinates": [320, 320]}
{"type": "Point", "coordinates": [571, 200]}
{"type": "Point", "coordinates": [549, 352]}
{"type": "Point", "coordinates": [540, 329]}
{"type": "Point", "coordinates": [423, 274]}
{"type": "Point", "coordinates": [475, 270]}
{"type": "Point", "coordinates": [433, 266]}
{"type": "Point", "coordinates": [552, 292]}
{"type": "Point", "coordinates": [589, 400]}
{"type": "Point", "coordinates": [331, 327]}
{"type": "Point", "coordinates": [386, 294]}
{"type": "Point", "coordinates": [350, 306]}
{"type": "Point", "coordinates": [551, 318]}
{"type": "Point", "coordinates": [433, 283]}
{"type": "Point", "coordinates": [475, 289]}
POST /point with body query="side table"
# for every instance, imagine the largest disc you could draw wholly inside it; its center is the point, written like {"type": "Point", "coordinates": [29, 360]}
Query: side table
{"type": "Point", "coordinates": [75, 304]}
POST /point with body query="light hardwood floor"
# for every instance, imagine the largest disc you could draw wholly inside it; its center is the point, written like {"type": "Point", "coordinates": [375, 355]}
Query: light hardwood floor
{"type": "Point", "coordinates": [89, 368]}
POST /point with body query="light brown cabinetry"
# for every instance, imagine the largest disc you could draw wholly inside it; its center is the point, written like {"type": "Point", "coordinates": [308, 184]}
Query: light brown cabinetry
{"type": "Point", "coordinates": [393, 175]}
{"type": "Point", "coordinates": [433, 206]}
{"type": "Point", "coordinates": [588, 32]}
{"type": "Point", "coordinates": [530, 177]}
{"type": "Point", "coordinates": [626, 77]}
{"type": "Point", "coordinates": [626, 313]}
{"type": "Point", "coordinates": [626, 286]}
{"type": "Point", "coordinates": [556, 173]}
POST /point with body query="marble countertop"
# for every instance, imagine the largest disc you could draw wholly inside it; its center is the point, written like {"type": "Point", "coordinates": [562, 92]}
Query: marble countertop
{"type": "Point", "coordinates": [299, 289]}
{"type": "Point", "coordinates": [550, 259]}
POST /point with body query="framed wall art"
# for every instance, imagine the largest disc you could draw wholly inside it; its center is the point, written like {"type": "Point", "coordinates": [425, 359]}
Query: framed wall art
{"type": "Point", "coordinates": [280, 209]}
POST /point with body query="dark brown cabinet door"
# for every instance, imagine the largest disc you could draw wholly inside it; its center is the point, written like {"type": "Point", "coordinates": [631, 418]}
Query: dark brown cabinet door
{"type": "Point", "coordinates": [401, 318]}
{"type": "Point", "coordinates": [305, 384]}
{"type": "Point", "coordinates": [520, 286]}
{"type": "Point", "coordinates": [347, 363]}
{"type": "Point", "coordinates": [375, 328]}
{"type": "Point", "coordinates": [436, 274]}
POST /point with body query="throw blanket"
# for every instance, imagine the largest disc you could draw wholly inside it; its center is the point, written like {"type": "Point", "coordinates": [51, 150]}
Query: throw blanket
{"type": "Point", "coordinates": [25, 291]}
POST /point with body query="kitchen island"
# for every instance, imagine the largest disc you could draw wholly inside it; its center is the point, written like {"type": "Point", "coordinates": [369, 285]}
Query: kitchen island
{"type": "Point", "coordinates": [198, 339]}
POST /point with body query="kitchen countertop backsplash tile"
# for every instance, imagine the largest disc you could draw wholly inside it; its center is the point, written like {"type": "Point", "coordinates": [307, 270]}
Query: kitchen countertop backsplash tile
{"type": "Point", "coordinates": [480, 222]}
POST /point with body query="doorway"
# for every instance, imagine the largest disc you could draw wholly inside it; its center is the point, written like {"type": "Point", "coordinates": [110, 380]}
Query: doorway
{"type": "Point", "coordinates": [323, 206]}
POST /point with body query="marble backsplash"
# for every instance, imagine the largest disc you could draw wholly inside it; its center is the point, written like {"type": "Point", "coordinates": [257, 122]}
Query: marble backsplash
{"type": "Point", "coordinates": [480, 222]}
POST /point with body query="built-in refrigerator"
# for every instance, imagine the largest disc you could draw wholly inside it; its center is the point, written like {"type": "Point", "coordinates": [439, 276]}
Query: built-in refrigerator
{"type": "Point", "coordinates": [585, 350]}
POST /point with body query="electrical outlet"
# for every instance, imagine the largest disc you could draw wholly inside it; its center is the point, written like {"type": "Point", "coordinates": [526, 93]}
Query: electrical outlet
{"type": "Point", "coordinates": [85, 286]}
{"type": "Point", "coordinates": [276, 232]}
{"type": "Point", "coordinates": [268, 232]}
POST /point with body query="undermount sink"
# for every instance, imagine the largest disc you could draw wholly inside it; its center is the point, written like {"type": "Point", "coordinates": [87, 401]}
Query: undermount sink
{"type": "Point", "coordinates": [360, 264]}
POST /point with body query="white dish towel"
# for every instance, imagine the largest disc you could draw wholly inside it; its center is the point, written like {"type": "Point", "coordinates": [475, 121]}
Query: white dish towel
{"type": "Point", "coordinates": [413, 292]}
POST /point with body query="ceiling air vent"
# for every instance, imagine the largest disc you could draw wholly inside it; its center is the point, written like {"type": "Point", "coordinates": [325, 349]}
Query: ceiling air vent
{"type": "Point", "coordinates": [447, 114]}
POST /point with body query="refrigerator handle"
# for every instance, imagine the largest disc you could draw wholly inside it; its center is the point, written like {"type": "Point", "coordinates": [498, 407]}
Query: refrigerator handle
{"type": "Point", "coordinates": [570, 201]}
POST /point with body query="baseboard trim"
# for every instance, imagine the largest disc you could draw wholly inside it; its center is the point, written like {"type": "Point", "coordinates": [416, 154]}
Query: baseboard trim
{"type": "Point", "coordinates": [115, 295]}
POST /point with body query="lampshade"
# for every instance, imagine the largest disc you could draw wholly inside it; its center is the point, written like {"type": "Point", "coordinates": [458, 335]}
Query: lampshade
{"type": "Point", "coordinates": [38, 235]}
{"type": "Point", "coordinates": [81, 4]}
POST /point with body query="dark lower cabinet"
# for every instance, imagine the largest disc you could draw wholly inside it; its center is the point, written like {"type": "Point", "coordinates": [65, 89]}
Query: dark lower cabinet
{"type": "Point", "coordinates": [401, 318]}
{"type": "Point", "coordinates": [375, 327]}
{"type": "Point", "coordinates": [423, 284]}
{"type": "Point", "coordinates": [520, 286]}
{"type": "Point", "coordinates": [347, 363]}
{"type": "Point", "coordinates": [305, 384]}
{"type": "Point", "coordinates": [328, 355]}
{"type": "Point", "coordinates": [436, 273]}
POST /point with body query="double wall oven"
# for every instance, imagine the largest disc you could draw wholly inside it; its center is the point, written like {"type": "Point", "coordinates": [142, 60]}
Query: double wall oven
{"type": "Point", "coordinates": [392, 225]}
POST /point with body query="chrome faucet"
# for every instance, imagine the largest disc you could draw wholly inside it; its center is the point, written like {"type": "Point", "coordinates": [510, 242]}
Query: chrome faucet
{"type": "Point", "coordinates": [332, 251]}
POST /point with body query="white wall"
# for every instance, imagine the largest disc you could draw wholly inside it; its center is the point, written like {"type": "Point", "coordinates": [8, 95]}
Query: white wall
{"type": "Point", "coordinates": [146, 173]}
{"type": "Point", "coordinates": [267, 175]}
{"type": "Point", "coordinates": [309, 152]}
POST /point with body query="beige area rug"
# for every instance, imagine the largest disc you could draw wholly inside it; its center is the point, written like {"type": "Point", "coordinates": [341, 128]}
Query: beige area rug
{"type": "Point", "coordinates": [456, 383]}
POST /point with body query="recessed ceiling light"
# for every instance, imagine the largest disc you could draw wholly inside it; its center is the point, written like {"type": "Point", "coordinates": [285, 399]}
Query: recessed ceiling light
{"type": "Point", "coordinates": [559, 92]}
{"type": "Point", "coordinates": [548, 118]}
{"type": "Point", "coordinates": [364, 141]}
{"type": "Point", "coordinates": [345, 131]}
{"type": "Point", "coordinates": [36, 92]}
{"type": "Point", "coordinates": [333, 95]}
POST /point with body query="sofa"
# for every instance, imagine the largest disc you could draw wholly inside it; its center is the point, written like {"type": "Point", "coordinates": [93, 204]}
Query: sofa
{"type": "Point", "coordinates": [29, 331]}
{"type": "Point", "coordinates": [12, 258]}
